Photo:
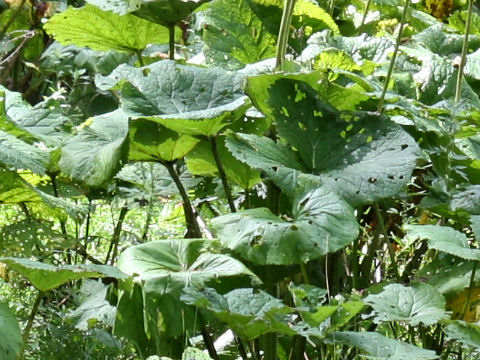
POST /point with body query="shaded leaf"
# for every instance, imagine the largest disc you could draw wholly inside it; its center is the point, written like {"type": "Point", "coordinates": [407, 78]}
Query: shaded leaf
{"type": "Point", "coordinates": [381, 347]}
{"type": "Point", "coordinates": [322, 223]}
{"type": "Point", "coordinates": [444, 238]}
{"type": "Point", "coordinates": [96, 154]}
{"type": "Point", "coordinates": [468, 334]}
{"type": "Point", "coordinates": [47, 277]}
{"type": "Point", "coordinates": [415, 304]}
{"type": "Point", "coordinates": [10, 335]}
{"type": "Point", "coordinates": [249, 313]}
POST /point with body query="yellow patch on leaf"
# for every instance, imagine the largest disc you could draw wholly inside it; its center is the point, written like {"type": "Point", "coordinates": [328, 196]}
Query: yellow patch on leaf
{"type": "Point", "coordinates": [439, 8]}
{"type": "Point", "coordinates": [456, 304]}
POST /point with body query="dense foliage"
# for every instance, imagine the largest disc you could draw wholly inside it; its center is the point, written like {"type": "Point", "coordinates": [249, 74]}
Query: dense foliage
{"type": "Point", "coordinates": [225, 179]}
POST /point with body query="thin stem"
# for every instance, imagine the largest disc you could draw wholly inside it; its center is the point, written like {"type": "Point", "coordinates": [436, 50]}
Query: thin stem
{"type": "Point", "coordinates": [193, 229]}
{"type": "Point", "coordinates": [470, 288]}
{"type": "Point", "coordinates": [364, 16]}
{"type": "Point", "coordinates": [223, 175]}
{"type": "Point", "coordinates": [304, 270]}
{"type": "Point", "coordinates": [116, 236]}
{"type": "Point", "coordinates": [28, 327]}
{"type": "Point", "coordinates": [63, 225]}
{"type": "Point", "coordinates": [283, 33]}
{"type": "Point", "coordinates": [463, 59]}
{"type": "Point", "coordinates": [394, 57]}
{"type": "Point", "coordinates": [140, 58]}
{"type": "Point", "coordinates": [25, 210]}
{"type": "Point", "coordinates": [12, 19]}
{"type": "Point", "coordinates": [209, 343]}
{"type": "Point", "coordinates": [171, 41]}
{"type": "Point", "coordinates": [87, 227]}
{"type": "Point", "coordinates": [246, 203]}
{"type": "Point", "coordinates": [391, 252]}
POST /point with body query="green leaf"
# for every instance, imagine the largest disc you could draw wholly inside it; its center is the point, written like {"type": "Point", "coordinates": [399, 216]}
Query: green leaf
{"type": "Point", "coordinates": [44, 121]}
{"type": "Point", "coordinates": [164, 12]}
{"type": "Point", "coordinates": [361, 156]}
{"type": "Point", "coordinates": [467, 200]}
{"type": "Point", "coordinates": [93, 307]}
{"type": "Point", "coordinates": [444, 238]}
{"type": "Point", "coordinates": [10, 335]}
{"type": "Point", "coordinates": [436, 39]}
{"type": "Point", "coordinates": [466, 333]}
{"type": "Point", "coordinates": [192, 353]}
{"type": "Point", "coordinates": [249, 313]}
{"type": "Point", "coordinates": [47, 277]}
{"type": "Point", "coordinates": [381, 347]}
{"type": "Point", "coordinates": [101, 30]}
{"type": "Point", "coordinates": [150, 141]}
{"type": "Point", "coordinates": [169, 265]}
{"type": "Point", "coordinates": [96, 154]}
{"type": "Point", "coordinates": [447, 274]}
{"type": "Point", "coordinates": [186, 99]}
{"type": "Point", "coordinates": [17, 154]}
{"type": "Point", "coordinates": [201, 162]}
{"type": "Point", "coordinates": [322, 223]}
{"type": "Point", "coordinates": [415, 304]}
{"type": "Point", "coordinates": [234, 36]}
{"type": "Point", "coordinates": [164, 268]}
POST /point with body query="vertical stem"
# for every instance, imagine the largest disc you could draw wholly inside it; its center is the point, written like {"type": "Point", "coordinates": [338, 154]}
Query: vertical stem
{"type": "Point", "coordinates": [87, 228]}
{"type": "Point", "coordinates": [383, 230]}
{"type": "Point", "coordinates": [283, 33]}
{"type": "Point", "coordinates": [304, 270]}
{"type": "Point", "coordinates": [116, 236]}
{"type": "Point", "coordinates": [463, 59]}
{"type": "Point", "coordinates": [12, 19]}
{"type": "Point", "coordinates": [63, 225]}
{"type": "Point", "coordinates": [28, 327]}
{"type": "Point", "coordinates": [470, 288]}
{"type": "Point", "coordinates": [223, 175]}
{"type": "Point", "coordinates": [207, 339]}
{"type": "Point", "coordinates": [193, 229]}
{"type": "Point", "coordinates": [140, 58]}
{"type": "Point", "coordinates": [394, 57]}
{"type": "Point", "coordinates": [364, 16]}
{"type": "Point", "coordinates": [171, 41]}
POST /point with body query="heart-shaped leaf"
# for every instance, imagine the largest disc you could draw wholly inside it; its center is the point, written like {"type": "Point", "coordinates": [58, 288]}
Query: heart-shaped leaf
{"type": "Point", "coordinates": [322, 223]}
{"type": "Point", "coordinates": [415, 304]}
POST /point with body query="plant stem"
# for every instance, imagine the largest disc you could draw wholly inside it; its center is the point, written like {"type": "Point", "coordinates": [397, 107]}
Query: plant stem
{"type": "Point", "coordinates": [140, 58]}
{"type": "Point", "coordinates": [394, 57]}
{"type": "Point", "coordinates": [364, 16]}
{"type": "Point", "coordinates": [171, 41]}
{"type": "Point", "coordinates": [470, 288]}
{"type": "Point", "coordinates": [193, 229]}
{"type": "Point", "coordinates": [12, 19]}
{"type": "Point", "coordinates": [463, 59]}
{"type": "Point", "coordinates": [116, 236]}
{"type": "Point", "coordinates": [209, 343]}
{"type": "Point", "coordinates": [304, 270]}
{"type": "Point", "coordinates": [383, 230]}
{"type": "Point", "coordinates": [283, 33]}
{"type": "Point", "coordinates": [28, 327]}
{"type": "Point", "coordinates": [87, 228]}
{"type": "Point", "coordinates": [221, 172]}
{"type": "Point", "coordinates": [63, 225]}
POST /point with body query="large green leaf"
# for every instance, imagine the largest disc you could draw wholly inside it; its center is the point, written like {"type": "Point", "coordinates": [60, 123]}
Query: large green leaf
{"type": "Point", "coordinates": [363, 157]}
{"type": "Point", "coordinates": [151, 141]}
{"type": "Point", "coordinates": [415, 304]}
{"type": "Point", "coordinates": [444, 238]}
{"type": "Point", "coordinates": [466, 333]}
{"type": "Point", "coordinates": [47, 277]}
{"type": "Point", "coordinates": [380, 347]}
{"type": "Point", "coordinates": [234, 35]}
{"type": "Point", "coordinates": [202, 162]}
{"type": "Point", "coordinates": [166, 266]}
{"type": "Point", "coordinates": [17, 154]}
{"type": "Point", "coordinates": [98, 151]}
{"type": "Point", "coordinates": [248, 312]}
{"type": "Point", "coordinates": [10, 335]}
{"type": "Point", "coordinates": [322, 223]}
{"type": "Point", "coordinates": [164, 12]}
{"type": "Point", "coordinates": [187, 99]}
{"type": "Point", "coordinates": [44, 121]}
{"type": "Point", "coordinates": [104, 30]}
